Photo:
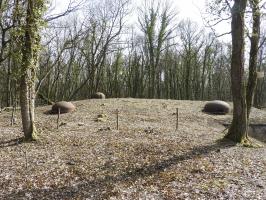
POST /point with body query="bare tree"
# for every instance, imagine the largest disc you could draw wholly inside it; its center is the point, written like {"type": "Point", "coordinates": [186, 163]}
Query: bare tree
{"type": "Point", "coordinates": [253, 53]}
{"type": "Point", "coordinates": [105, 22]}
{"type": "Point", "coordinates": [238, 129]}
{"type": "Point", "coordinates": [30, 57]}
{"type": "Point", "coordinates": [156, 23]}
{"type": "Point", "coordinates": [191, 41]}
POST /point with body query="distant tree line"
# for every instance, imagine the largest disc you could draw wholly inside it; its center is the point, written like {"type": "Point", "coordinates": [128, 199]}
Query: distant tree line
{"type": "Point", "coordinates": [94, 50]}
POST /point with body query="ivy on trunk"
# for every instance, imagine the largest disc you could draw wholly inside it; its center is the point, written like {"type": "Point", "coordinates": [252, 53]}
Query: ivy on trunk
{"type": "Point", "coordinates": [30, 57]}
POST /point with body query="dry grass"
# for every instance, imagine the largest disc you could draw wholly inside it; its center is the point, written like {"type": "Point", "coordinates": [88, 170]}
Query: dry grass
{"type": "Point", "coordinates": [145, 159]}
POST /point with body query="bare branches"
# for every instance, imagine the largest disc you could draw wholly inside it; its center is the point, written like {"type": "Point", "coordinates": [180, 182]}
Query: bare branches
{"type": "Point", "coordinates": [72, 7]}
{"type": "Point", "coordinates": [218, 13]}
{"type": "Point", "coordinates": [223, 34]}
{"type": "Point", "coordinates": [228, 4]}
{"type": "Point", "coordinates": [217, 21]}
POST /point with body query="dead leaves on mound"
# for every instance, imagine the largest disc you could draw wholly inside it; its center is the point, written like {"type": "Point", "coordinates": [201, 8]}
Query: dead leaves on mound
{"type": "Point", "coordinates": [145, 158]}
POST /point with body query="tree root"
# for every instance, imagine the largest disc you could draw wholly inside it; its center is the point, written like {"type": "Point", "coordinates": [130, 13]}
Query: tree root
{"type": "Point", "coordinates": [247, 142]}
{"type": "Point", "coordinates": [31, 137]}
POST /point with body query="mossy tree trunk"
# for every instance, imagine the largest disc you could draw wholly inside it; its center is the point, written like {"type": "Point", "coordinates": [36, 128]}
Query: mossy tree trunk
{"type": "Point", "coordinates": [30, 57]}
{"type": "Point", "coordinates": [239, 126]}
{"type": "Point", "coordinates": [253, 54]}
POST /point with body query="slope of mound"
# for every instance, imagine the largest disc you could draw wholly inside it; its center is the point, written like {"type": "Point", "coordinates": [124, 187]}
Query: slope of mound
{"type": "Point", "coordinates": [145, 159]}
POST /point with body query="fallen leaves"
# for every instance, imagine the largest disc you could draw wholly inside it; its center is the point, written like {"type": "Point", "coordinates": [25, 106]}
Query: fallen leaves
{"type": "Point", "coordinates": [146, 158]}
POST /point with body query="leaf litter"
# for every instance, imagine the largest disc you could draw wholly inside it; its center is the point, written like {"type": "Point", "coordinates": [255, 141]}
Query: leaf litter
{"type": "Point", "coordinates": [146, 158]}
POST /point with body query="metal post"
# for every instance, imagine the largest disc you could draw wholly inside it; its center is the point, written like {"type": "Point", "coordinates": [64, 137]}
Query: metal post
{"type": "Point", "coordinates": [176, 128]}
{"type": "Point", "coordinates": [58, 117]}
{"type": "Point", "coordinates": [117, 119]}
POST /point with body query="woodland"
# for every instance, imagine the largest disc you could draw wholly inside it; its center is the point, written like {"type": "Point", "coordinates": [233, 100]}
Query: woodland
{"type": "Point", "coordinates": [155, 71]}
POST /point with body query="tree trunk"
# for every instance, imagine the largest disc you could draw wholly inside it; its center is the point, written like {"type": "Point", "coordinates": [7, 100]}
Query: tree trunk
{"type": "Point", "coordinates": [24, 103]}
{"type": "Point", "coordinates": [238, 129]}
{"type": "Point", "coordinates": [30, 56]}
{"type": "Point", "coordinates": [8, 85]}
{"type": "Point", "coordinates": [253, 54]}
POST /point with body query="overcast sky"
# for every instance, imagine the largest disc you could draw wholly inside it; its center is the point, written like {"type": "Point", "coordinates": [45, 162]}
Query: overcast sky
{"type": "Point", "coordinates": [187, 8]}
{"type": "Point", "coordinates": [192, 9]}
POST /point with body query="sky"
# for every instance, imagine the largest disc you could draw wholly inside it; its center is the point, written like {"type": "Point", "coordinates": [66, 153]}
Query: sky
{"type": "Point", "coordinates": [192, 9]}
{"type": "Point", "coordinates": [186, 8]}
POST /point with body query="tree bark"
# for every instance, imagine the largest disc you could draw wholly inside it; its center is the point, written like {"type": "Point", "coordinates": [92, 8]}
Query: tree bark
{"type": "Point", "coordinates": [30, 56]}
{"type": "Point", "coordinates": [238, 129]}
{"type": "Point", "coordinates": [253, 54]}
{"type": "Point", "coordinates": [8, 84]}
{"type": "Point", "coordinates": [25, 110]}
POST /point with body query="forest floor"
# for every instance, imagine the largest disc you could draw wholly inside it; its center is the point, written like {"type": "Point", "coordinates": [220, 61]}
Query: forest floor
{"type": "Point", "coordinates": [146, 158]}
